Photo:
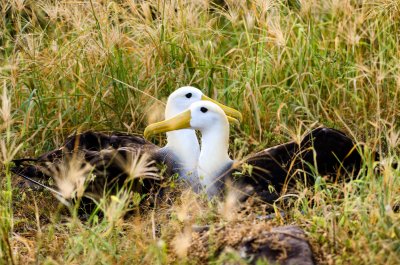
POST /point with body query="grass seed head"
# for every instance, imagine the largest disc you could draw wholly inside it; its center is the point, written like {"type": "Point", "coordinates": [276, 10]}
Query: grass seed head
{"type": "Point", "coordinates": [70, 176]}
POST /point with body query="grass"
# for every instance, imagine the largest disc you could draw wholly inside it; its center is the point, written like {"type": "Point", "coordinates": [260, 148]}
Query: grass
{"type": "Point", "coordinates": [288, 66]}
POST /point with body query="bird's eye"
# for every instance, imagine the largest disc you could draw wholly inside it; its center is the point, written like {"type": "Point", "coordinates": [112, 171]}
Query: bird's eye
{"type": "Point", "coordinates": [188, 95]}
{"type": "Point", "coordinates": [203, 109]}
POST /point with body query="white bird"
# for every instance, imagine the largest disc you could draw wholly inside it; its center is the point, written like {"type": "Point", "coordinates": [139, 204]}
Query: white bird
{"type": "Point", "coordinates": [213, 124]}
{"type": "Point", "coordinates": [183, 143]}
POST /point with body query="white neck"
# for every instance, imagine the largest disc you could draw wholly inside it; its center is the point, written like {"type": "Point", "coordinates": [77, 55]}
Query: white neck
{"type": "Point", "coordinates": [214, 156]}
{"type": "Point", "coordinates": [183, 144]}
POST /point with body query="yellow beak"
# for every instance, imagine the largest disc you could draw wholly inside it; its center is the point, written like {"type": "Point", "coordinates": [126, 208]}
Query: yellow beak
{"type": "Point", "coordinates": [228, 111]}
{"type": "Point", "coordinates": [178, 122]}
{"type": "Point", "coordinates": [232, 120]}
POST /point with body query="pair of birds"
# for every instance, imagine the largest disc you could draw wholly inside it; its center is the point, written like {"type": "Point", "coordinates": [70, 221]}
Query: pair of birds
{"type": "Point", "coordinates": [209, 168]}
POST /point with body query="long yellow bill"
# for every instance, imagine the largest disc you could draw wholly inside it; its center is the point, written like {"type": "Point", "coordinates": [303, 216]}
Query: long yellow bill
{"type": "Point", "coordinates": [178, 122]}
{"type": "Point", "coordinates": [228, 111]}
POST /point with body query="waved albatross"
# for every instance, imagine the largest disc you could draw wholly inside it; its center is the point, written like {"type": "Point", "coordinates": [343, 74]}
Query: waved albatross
{"type": "Point", "coordinates": [323, 150]}
{"type": "Point", "coordinates": [108, 154]}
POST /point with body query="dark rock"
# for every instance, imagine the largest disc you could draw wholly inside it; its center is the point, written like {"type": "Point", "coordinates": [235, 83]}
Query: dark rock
{"type": "Point", "coordinates": [250, 241]}
{"type": "Point", "coordinates": [286, 245]}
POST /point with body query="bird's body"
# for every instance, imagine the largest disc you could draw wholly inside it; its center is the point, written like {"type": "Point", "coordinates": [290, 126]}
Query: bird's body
{"type": "Point", "coordinates": [323, 151]}
{"type": "Point", "coordinates": [102, 155]}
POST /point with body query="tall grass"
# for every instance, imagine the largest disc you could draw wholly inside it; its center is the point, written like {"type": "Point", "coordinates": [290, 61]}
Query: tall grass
{"type": "Point", "coordinates": [69, 66]}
